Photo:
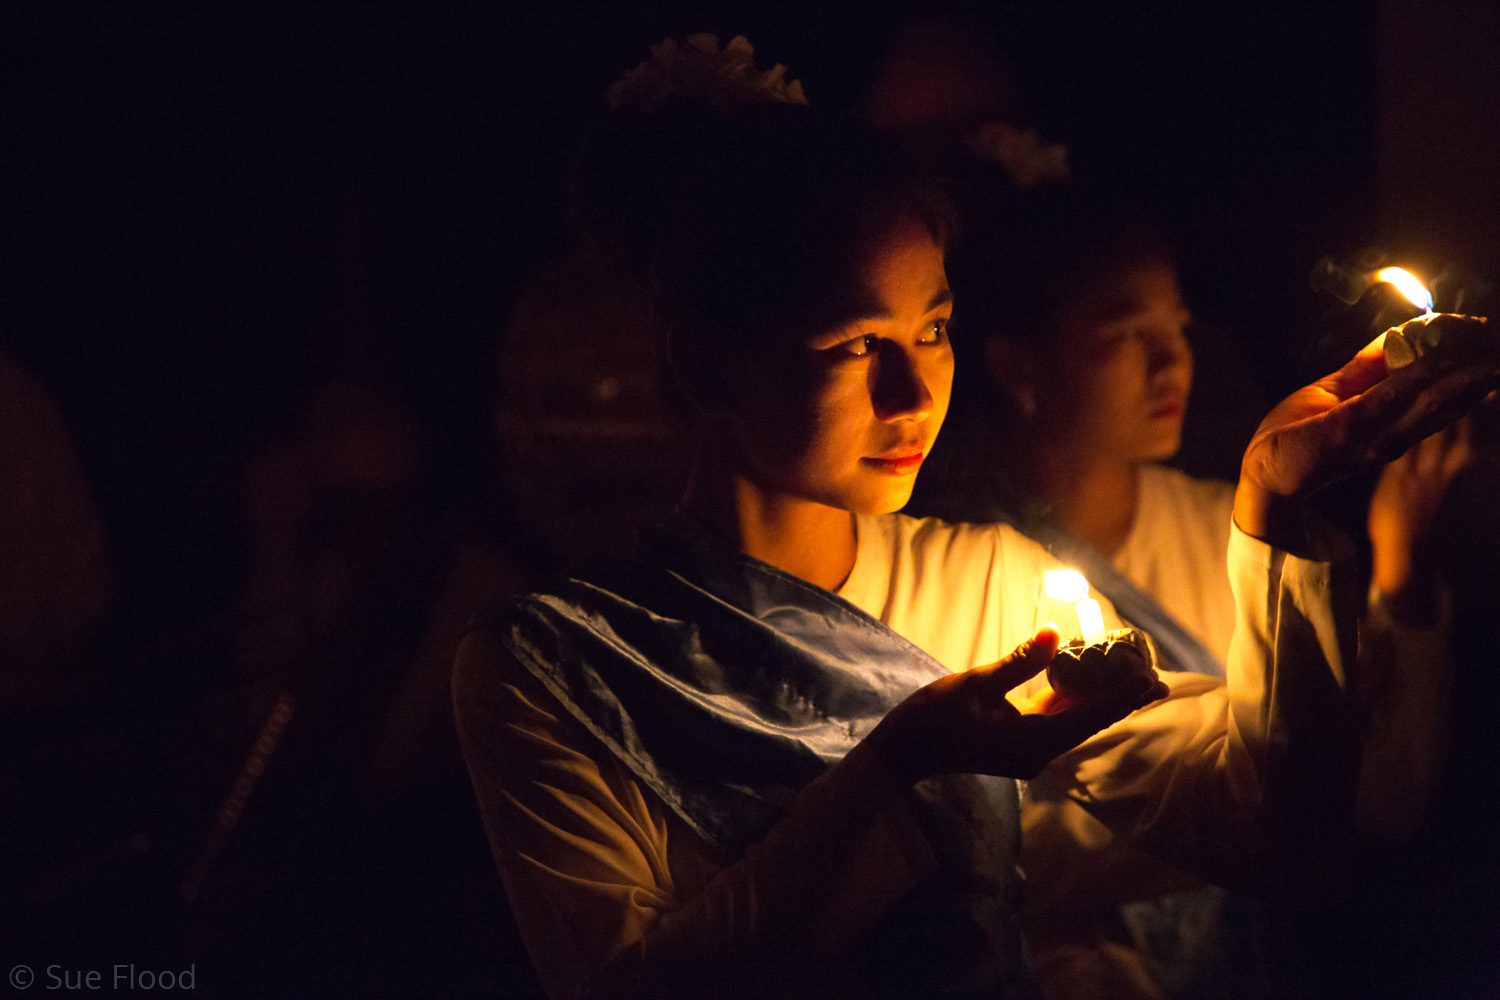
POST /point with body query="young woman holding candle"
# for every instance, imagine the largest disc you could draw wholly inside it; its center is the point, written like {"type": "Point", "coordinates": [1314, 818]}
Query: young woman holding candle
{"type": "Point", "coordinates": [770, 753]}
{"type": "Point", "coordinates": [1077, 386]}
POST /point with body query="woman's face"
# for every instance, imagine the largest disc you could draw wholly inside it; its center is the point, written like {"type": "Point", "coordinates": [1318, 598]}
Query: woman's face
{"type": "Point", "coordinates": [1115, 382]}
{"type": "Point", "coordinates": [845, 418]}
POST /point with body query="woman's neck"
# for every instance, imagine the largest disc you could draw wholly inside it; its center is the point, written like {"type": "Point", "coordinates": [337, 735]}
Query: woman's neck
{"type": "Point", "coordinates": [807, 539]}
{"type": "Point", "coordinates": [1094, 499]}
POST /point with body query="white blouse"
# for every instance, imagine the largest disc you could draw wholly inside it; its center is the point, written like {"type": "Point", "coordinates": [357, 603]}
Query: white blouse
{"type": "Point", "coordinates": [1214, 776]}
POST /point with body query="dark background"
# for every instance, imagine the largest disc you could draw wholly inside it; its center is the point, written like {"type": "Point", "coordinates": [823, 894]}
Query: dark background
{"type": "Point", "coordinates": [200, 200]}
{"type": "Point", "coordinates": [178, 176]}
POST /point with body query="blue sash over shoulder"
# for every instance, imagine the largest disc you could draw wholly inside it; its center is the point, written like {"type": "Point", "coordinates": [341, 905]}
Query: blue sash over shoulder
{"type": "Point", "coordinates": [726, 685]}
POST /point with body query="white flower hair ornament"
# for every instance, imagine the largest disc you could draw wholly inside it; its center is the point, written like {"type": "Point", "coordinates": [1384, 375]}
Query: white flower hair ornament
{"type": "Point", "coordinates": [1023, 154]}
{"type": "Point", "coordinates": [700, 70]}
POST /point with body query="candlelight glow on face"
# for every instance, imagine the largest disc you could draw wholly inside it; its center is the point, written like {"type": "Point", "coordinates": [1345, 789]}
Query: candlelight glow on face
{"type": "Point", "coordinates": [1070, 585]}
{"type": "Point", "coordinates": [1407, 284]}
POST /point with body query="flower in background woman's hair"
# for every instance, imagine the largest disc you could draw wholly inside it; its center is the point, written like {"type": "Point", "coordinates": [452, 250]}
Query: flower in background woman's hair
{"type": "Point", "coordinates": [699, 70]}
{"type": "Point", "coordinates": [1025, 156]}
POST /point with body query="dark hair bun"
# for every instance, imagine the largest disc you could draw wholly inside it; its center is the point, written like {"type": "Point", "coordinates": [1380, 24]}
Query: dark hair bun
{"type": "Point", "coordinates": [750, 221]}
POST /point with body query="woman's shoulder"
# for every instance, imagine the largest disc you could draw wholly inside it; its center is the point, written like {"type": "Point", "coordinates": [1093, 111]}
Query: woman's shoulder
{"type": "Point", "coordinates": [483, 658]}
{"type": "Point", "coordinates": [925, 538]}
{"type": "Point", "coordinates": [1163, 485]}
{"type": "Point", "coordinates": [1179, 518]}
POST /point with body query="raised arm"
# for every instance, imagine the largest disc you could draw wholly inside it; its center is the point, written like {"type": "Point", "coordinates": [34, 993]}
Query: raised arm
{"type": "Point", "coordinates": [1256, 783]}
{"type": "Point", "coordinates": [1355, 419]}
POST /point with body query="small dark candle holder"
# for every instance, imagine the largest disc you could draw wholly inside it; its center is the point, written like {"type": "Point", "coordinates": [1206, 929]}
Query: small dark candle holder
{"type": "Point", "coordinates": [1082, 669]}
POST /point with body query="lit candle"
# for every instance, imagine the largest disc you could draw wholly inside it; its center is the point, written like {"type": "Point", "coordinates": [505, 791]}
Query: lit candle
{"type": "Point", "coordinates": [1407, 284]}
{"type": "Point", "coordinates": [1069, 585]}
{"type": "Point", "coordinates": [1416, 337]}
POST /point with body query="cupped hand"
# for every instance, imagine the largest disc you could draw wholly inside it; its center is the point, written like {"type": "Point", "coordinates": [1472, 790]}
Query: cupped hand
{"type": "Point", "coordinates": [963, 723]}
{"type": "Point", "coordinates": [1354, 419]}
{"type": "Point", "coordinates": [1405, 504]}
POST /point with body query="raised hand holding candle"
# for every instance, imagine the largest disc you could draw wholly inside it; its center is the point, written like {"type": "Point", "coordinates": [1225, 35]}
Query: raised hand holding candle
{"type": "Point", "coordinates": [1414, 338]}
{"type": "Point", "coordinates": [1070, 585]}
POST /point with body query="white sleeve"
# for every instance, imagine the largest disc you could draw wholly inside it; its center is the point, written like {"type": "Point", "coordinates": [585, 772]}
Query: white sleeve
{"type": "Point", "coordinates": [1252, 777]}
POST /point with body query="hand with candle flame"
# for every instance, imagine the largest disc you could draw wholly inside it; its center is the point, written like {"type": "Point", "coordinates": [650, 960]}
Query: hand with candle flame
{"type": "Point", "coordinates": [964, 724]}
{"type": "Point", "coordinates": [1082, 669]}
{"type": "Point", "coordinates": [1356, 418]}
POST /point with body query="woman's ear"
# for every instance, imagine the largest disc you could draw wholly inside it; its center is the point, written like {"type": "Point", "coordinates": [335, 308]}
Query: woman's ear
{"type": "Point", "coordinates": [1013, 369]}
{"type": "Point", "coordinates": [694, 378]}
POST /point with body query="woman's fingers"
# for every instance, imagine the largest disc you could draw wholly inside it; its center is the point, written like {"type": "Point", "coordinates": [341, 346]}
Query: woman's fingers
{"type": "Point", "coordinates": [964, 723]}
{"type": "Point", "coordinates": [1417, 401]}
{"type": "Point", "coordinates": [1362, 371]}
{"type": "Point", "coordinates": [1428, 453]}
{"type": "Point", "coordinates": [1460, 447]}
{"type": "Point", "coordinates": [1062, 731]}
{"type": "Point", "coordinates": [1029, 659]}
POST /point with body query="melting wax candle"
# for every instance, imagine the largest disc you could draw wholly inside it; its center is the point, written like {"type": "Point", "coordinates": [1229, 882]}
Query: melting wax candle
{"type": "Point", "coordinates": [1070, 585]}
{"type": "Point", "coordinates": [1407, 284]}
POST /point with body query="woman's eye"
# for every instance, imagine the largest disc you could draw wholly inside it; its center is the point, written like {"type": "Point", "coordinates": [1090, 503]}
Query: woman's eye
{"type": "Point", "coordinates": [1118, 336]}
{"type": "Point", "coordinates": [934, 333]}
{"type": "Point", "coordinates": [860, 346]}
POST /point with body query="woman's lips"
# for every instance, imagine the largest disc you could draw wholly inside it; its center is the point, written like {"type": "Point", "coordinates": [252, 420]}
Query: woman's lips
{"type": "Point", "coordinates": [898, 463]}
{"type": "Point", "coordinates": [1168, 406]}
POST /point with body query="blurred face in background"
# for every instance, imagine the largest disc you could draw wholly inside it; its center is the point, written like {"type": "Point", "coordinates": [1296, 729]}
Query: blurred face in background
{"type": "Point", "coordinates": [846, 416]}
{"type": "Point", "coordinates": [1113, 382]}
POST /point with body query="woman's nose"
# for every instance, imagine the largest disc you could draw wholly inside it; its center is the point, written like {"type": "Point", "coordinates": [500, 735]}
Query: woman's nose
{"type": "Point", "coordinates": [898, 391]}
{"type": "Point", "coordinates": [1170, 349]}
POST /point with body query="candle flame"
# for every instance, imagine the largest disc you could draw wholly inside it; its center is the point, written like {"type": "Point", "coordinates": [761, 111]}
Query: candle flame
{"type": "Point", "coordinates": [1065, 585]}
{"type": "Point", "coordinates": [1091, 620]}
{"type": "Point", "coordinates": [1407, 284]}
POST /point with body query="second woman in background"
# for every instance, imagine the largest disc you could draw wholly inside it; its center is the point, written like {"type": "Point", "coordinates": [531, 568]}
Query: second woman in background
{"type": "Point", "coordinates": [1075, 392]}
